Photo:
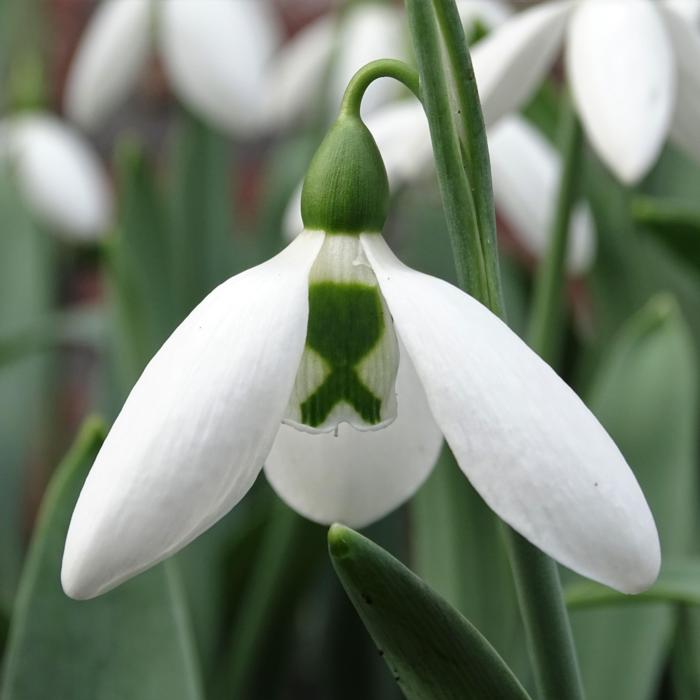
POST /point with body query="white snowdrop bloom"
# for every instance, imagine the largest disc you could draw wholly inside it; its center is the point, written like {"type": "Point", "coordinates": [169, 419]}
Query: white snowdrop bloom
{"type": "Point", "coordinates": [58, 174]}
{"type": "Point", "coordinates": [525, 169]}
{"type": "Point", "coordinates": [342, 44]}
{"type": "Point", "coordinates": [214, 52]}
{"type": "Point", "coordinates": [633, 68]}
{"type": "Point", "coordinates": [341, 370]}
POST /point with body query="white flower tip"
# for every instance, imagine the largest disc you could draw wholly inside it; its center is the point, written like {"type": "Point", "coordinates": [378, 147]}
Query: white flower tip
{"type": "Point", "coordinates": [77, 582]}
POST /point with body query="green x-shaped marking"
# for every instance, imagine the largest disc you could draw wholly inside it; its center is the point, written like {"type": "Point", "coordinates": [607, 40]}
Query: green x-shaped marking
{"type": "Point", "coordinates": [345, 324]}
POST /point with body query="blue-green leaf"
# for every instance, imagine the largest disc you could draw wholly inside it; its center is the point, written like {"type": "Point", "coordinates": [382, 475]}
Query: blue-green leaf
{"type": "Point", "coordinates": [133, 642]}
{"type": "Point", "coordinates": [645, 394]}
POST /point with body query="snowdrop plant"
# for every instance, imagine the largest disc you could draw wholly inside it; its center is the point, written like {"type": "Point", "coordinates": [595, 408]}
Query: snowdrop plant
{"type": "Point", "coordinates": [341, 370]}
{"type": "Point", "coordinates": [633, 69]}
{"type": "Point", "coordinates": [214, 53]}
{"type": "Point", "coordinates": [58, 173]}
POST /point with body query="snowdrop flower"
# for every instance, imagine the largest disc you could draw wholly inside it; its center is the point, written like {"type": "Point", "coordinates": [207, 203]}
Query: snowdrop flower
{"type": "Point", "coordinates": [340, 369]}
{"type": "Point", "coordinates": [525, 170]}
{"type": "Point", "coordinates": [214, 53]}
{"type": "Point", "coordinates": [363, 32]}
{"type": "Point", "coordinates": [58, 174]}
{"type": "Point", "coordinates": [633, 68]}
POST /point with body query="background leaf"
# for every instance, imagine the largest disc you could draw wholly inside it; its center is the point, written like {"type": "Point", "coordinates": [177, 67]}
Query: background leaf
{"type": "Point", "coordinates": [133, 642]}
{"type": "Point", "coordinates": [645, 394]}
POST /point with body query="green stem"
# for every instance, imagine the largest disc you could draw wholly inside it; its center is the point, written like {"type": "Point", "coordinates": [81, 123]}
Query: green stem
{"type": "Point", "coordinates": [365, 76]}
{"type": "Point", "coordinates": [469, 206]}
{"type": "Point", "coordinates": [546, 320]}
{"type": "Point", "coordinates": [458, 202]}
{"type": "Point", "coordinates": [542, 606]}
{"type": "Point", "coordinates": [475, 145]}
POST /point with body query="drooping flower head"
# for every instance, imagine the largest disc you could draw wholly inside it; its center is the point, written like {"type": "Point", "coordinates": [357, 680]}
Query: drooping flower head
{"type": "Point", "coordinates": [341, 370]}
{"type": "Point", "coordinates": [633, 68]}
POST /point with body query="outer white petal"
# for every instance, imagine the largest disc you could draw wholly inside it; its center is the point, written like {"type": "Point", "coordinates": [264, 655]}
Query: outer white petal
{"type": "Point", "coordinates": [368, 31]}
{"type": "Point", "coordinates": [510, 63]}
{"type": "Point", "coordinates": [358, 477]}
{"type": "Point", "coordinates": [528, 444]}
{"type": "Point", "coordinates": [59, 175]}
{"type": "Point", "coordinates": [688, 9]}
{"type": "Point", "coordinates": [109, 58]}
{"type": "Point", "coordinates": [623, 77]}
{"type": "Point", "coordinates": [197, 426]}
{"type": "Point", "coordinates": [216, 53]}
{"type": "Point", "coordinates": [297, 70]}
{"type": "Point", "coordinates": [526, 172]}
{"type": "Point", "coordinates": [685, 129]}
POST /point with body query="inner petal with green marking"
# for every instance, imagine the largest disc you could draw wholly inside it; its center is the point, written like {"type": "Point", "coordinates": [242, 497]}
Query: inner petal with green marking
{"type": "Point", "coordinates": [348, 370]}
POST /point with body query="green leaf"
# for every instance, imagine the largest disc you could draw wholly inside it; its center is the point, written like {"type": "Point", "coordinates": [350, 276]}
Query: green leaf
{"type": "Point", "coordinates": [675, 223]}
{"type": "Point", "coordinates": [433, 652]}
{"type": "Point", "coordinates": [26, 284]}
{"type": "Point", "coordinates": [645, 395]}
{"type": "Point", "coordinates": [678, 582]}
{"type": "Point", "coordinates": [133, 642]}
{"type": "Point", "coordinates": [200, 216]}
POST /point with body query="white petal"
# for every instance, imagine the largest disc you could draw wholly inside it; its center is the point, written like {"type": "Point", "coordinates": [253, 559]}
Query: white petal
{"type": "Point", "coordinates": [216, 53]}
{"type": "Point", "coordinates": [622, 74]}
{"type": "Point", "coordinates": [685, 128]}
{"type": "Point", "coordinates": [59, 175]}
{"type": "Point", "coordinates": [688, 9]}
{"type": "Point", "coordinates": [511, 63]}
{"type": "Point", "coordinates": [297, 70]}
{"type": "Point", "coordinates": [368, 31]}
{"type": "Point", "coordinates": [528, 444]}
{"type": "Point", "coordinates": [526, 173]}
{"type": "Point", "coordinates": [111, 54]}
{"type": "Point", "coordinates": [197, 426]}
{"type": "Point", "coordinates": [358, 477]}
{"type": "Point", "coordinates": [490, 12]}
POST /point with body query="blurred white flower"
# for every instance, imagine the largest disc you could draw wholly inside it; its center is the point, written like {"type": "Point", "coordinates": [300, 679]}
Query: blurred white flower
{"type": "Point", "coordinates": [341, 369]}
{"type": "Point", "coordinates": [214, 52]}
{"type": "Point", "coordinates": [58, 174]}
{"type": "Point", "coordinates": [525, 169]}
{"type": "Point", "coordinates": [633, 68]}
{"type": "Point", "coordinates": [342, 44]}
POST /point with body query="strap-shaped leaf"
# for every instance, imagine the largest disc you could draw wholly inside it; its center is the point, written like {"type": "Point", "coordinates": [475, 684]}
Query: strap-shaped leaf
{"type": "Point", "coordinates": [433, 652]}
{"type": "Point", "coordinates": [133, 642]}
{"type": "Point", "coordinates": [645, 394]}
{"type": "Point", "coordinates": [678, 582]}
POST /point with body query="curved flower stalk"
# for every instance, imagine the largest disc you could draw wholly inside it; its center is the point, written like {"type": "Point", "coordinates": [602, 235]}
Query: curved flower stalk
{"type": "Point", "coordinates": [525, 170]}
{"type": "Point", "coordinates": [341, 370]}
{"type": "Point", "coordinates": [214, 53]}
{"type": "Point", "coordinates": [58, 174]}
{"type": "Point", "coordinates": [342, 44]}
{"type": "Point", "coordinates": [633, 68]}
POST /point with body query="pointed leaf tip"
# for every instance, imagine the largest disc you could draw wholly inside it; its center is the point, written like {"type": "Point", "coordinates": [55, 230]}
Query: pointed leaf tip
{"type": "Point", "coordinates": [432, 651]}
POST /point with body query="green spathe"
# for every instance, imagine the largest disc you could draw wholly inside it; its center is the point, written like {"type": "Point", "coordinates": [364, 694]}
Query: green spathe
{"type": "Point", "coordinates": [346, 189]}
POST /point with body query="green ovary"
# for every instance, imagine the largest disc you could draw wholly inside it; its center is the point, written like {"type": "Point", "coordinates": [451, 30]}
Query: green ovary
{"type": "Point", "coordinates": [345, 324]}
